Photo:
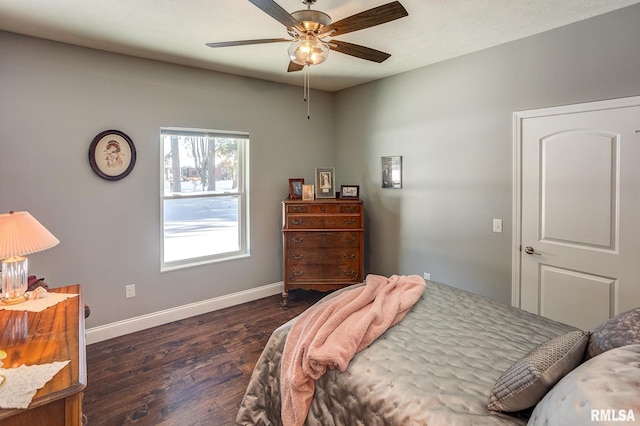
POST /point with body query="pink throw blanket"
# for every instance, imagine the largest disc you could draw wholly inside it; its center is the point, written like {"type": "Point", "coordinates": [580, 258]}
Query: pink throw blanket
{"type": "Point", "coordinates": [329, 334]}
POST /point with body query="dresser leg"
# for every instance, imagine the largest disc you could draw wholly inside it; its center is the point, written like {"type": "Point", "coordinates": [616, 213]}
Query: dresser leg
{"type": "Point", "coordinates": [285, 298]}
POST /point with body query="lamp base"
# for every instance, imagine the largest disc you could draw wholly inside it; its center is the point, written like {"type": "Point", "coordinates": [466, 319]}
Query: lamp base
{"type": "Point", "coordinates": [14, 280]}
{"type": "Point", "coordinates": [12, 300]}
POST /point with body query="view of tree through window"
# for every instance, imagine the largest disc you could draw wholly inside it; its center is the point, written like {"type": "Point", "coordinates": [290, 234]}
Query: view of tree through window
{"type": "Point", "coordinates": [203, 198]}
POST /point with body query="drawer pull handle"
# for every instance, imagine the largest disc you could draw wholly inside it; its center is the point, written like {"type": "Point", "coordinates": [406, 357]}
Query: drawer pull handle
{"type": "Point", "coordinates": [297, 209]}
{"type": "Point", "coordinates": [297, 273]}
{"type": "Point", "coordinates": [349, 256]}
{"type": "Point", "coordinates": [347, 221]}
{"type": "Point", "coordinates": [297, 222]}
{"type": "Point", "coordinates": [349, 240]}
{"type": "Point", "coordinates": [297, 240]}
{"type": "Point", "coordinates": [349, 272]}
{"type": "Point", "coordinates": [297, 256]}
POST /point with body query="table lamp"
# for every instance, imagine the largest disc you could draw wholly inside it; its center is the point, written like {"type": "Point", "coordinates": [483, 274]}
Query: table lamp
{"type": "Point", "coordinates": [20, 234]}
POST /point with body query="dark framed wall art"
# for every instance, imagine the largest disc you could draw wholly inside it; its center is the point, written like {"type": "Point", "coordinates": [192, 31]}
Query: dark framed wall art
{"type": "Point", "coordinates": [112, 155]}
{"type": "Point", "coordinates": [392, 172]}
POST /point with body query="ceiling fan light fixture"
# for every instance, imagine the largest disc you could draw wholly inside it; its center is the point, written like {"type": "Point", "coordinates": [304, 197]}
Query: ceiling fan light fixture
{"type": "Point", "coordinates": [308, 51]}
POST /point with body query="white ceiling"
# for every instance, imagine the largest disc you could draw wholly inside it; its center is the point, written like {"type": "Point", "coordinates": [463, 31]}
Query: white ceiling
{"type": "Point", "coordinates": [176, 31]}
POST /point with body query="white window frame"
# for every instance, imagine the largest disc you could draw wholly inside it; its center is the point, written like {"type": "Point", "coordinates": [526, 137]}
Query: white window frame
{"type": "Point", "coordinates": [241, 194]}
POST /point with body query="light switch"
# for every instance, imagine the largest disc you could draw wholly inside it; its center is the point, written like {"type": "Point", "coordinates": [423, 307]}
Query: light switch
{"type": "Point", "coordinates": [130, 291]}
{"type": "Point", "coordinates": [497, 226]}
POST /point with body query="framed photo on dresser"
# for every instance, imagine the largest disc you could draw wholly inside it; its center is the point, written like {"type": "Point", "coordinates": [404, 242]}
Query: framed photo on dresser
{"type": "Point", "coordinates": [307, 192]}
{"type": "Point", "coordinates": [325, 185]}
{"type": "Point", "coordinates": [350, 191]}
{"type": "Point", "coordinates": [295, 188]}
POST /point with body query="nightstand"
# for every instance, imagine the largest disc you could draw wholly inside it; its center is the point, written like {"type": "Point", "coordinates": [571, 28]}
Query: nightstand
{"type": "Point", "coordinates": [55, 334]}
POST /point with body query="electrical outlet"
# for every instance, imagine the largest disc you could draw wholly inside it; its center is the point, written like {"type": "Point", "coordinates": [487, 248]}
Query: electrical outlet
{"type": "Point", "coordinates": [497, 226]}
{"type": "Point", "coordinates": [427, 276]}
{"type": "Point", "coordinates": [130, 291]}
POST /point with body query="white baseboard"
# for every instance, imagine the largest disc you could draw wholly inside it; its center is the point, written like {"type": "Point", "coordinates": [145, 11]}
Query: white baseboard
{"type": "Point", "coordinates": [131, 325]}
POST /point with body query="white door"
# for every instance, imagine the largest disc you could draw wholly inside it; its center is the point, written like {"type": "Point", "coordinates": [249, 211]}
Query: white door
{"type": "Point", "coordinates": [577, 227]}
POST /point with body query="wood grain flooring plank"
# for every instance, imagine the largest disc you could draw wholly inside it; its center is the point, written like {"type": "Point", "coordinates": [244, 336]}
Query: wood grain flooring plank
{"type": "Point", "coordinates": [188, 372]}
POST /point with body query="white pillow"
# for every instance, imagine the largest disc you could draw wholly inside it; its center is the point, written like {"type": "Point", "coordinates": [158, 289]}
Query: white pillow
{"type": "Point", "coordinates": [604, 390]}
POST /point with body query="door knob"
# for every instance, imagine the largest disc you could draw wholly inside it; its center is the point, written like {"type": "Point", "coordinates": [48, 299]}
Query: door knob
{"type": "Point", "coordinates": [531, 250]}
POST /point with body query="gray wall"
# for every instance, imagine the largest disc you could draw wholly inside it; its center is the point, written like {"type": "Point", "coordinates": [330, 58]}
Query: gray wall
{"type": "Point", "coordinates": [452, 123]}
{"type": "Point", "coordinates": [55, 98]}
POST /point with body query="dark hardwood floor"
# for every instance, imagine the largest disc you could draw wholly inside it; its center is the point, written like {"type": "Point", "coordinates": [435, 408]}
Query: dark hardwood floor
{"type": "Point", "coordinates": [189, 372]}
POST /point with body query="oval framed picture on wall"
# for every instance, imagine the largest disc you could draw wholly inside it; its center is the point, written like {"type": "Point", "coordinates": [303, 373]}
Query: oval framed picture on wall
{"type": "Point", "coordinates": [112, 155]}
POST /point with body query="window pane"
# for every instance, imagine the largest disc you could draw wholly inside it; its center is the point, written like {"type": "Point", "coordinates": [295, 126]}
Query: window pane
{"type": "Point", "coordinates": [200, 227]}
{"type": "Point", "coordinates": [204, 164]}
{"type": "Point", "coordinates": [203, 196]}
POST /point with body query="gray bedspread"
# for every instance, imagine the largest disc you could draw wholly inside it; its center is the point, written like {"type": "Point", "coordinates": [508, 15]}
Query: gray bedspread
{"type": "Point", "coordinates": [436, 367]}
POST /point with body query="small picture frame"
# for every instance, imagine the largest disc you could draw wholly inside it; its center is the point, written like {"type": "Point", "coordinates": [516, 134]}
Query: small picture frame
{"type": "Point", "coordinates": [295, 188]}
{"type": "Point", "coordinates": [325, 182]}
{"type": "Point", "coordinates": [307, 192]}
{"type": "Point", "coordinates": [392, 172]}
{"type": "Point", "coordinates": [350, 191]}
{"type": "Point", "coordinates": [112, 155]}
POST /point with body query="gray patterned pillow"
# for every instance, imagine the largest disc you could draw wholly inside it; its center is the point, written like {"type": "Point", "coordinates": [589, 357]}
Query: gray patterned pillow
{"type": "Point", "coordinates": [529, 379]}
{"type": "Point", "coordinates": [621, 330]}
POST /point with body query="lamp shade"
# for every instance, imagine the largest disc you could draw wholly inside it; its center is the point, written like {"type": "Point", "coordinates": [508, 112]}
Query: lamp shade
{"type": "Point", "coordinates": [22, 234]}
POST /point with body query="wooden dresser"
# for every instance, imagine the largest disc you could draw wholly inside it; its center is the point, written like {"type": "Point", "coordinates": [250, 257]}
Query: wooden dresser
{"type": "Point", "coordinates": [323, 244]}
{"type": "Point", "coordinates": [55, 334]}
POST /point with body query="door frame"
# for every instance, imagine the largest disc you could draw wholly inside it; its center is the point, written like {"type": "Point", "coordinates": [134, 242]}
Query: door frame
{"type": "Point", "coordinates": [518, 118]}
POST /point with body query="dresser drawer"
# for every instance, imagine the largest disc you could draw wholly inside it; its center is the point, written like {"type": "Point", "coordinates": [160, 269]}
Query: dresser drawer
{"type": "Point", "coordinates": [322, 240]}
{"type": "Point", "coordinates": [350, 208]}
{"type": "Point", "coordinates": [348, 256]}
{"type": "Point", "coordinates": [348, 273]}
{"type": "Point", "coordinates": [324, 208]}
{"type": "Point", "coordinates": [323, 222]}
{"type": "Point", "coordinates": [298, 208]}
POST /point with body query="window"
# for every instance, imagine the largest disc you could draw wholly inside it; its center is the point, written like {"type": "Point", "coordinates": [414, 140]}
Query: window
{"type": "Point", "coordinates": [204, 197]}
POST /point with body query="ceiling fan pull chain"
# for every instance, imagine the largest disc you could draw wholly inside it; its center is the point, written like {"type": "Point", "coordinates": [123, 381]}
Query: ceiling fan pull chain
{"type": "Point", "coordinates": [304, 86]}
{"type": "Point", "coordinates": [308, 94]}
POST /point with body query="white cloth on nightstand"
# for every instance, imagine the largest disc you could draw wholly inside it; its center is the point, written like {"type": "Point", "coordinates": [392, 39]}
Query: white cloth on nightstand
{"type": "Point", "coordinates": [22, 383]}
{"type": "Point", "coordinates": [37, 305]}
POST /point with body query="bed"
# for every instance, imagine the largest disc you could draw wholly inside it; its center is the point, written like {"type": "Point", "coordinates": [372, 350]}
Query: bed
{"type": "Point", "coordinates": [438, 366]}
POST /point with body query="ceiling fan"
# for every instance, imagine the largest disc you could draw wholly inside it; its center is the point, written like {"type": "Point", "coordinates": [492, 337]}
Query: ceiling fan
{"type": "Point", "coordinates": [312, 32]}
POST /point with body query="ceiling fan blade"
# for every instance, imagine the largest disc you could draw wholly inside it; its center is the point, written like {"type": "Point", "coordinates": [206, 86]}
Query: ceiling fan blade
{"type": "Point", "coordinates": [358, 51]}
{"type": "Point", "coordinates": [369, 18]}
{"type": "Point", "coordinates": [247, 42]}
{"type": "Point", "coordinates": [274, 10]}
{"type": "Point", "coordinates": [294, 67]}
